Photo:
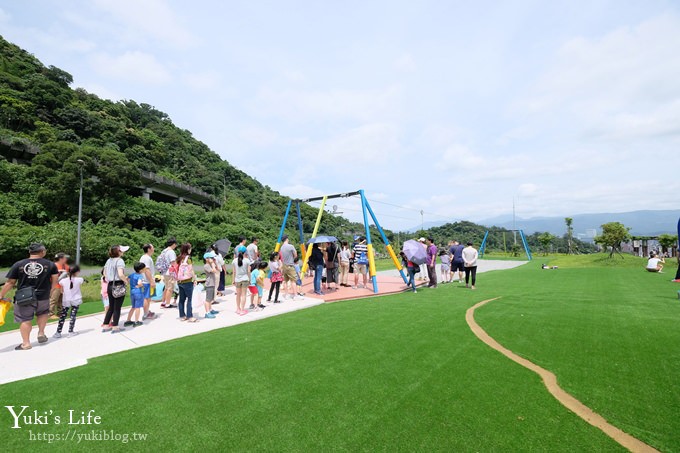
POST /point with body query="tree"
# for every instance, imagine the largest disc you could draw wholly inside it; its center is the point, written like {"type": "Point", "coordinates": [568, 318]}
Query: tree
{"type": "Point", "coordinates": [545, 239]}
{"type": "Point", "coordinates": [613, 234]}
{"type": "Point", "coordinates": [570, 234]}
{"type": "Point", "coordinates": [668, 241]}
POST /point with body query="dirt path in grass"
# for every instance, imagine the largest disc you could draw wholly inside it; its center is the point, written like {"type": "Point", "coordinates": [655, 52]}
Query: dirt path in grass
{"type": "Point", "coordinates": [550, 381]}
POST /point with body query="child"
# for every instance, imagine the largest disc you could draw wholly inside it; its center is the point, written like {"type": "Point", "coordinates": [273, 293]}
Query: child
{"type": "Point", "coordinates": [136, 295]}
{"type": "Point", "coordinates": [257, 282]}
{"type": "Point", "coordinates": [212, 276]}
{"type": "Point", "coordinates": [104, 293]}
{"type": "Point", "coordinates": [70, 288]}
{"type": "Point", "coordinates": [276, 277]}
{"type": "Point", "coordinates": [445, 266]}
{"type": "Point", "coordinates": [298, 282]}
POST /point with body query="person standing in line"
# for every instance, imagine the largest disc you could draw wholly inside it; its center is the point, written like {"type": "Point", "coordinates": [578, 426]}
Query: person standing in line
{"type": "Point", "coordinates": [423, 267]}
{"type": "Point", "coordinates": [457, 261]}
{"type": "Point", "coordinates": [241, 271]}
{"type": "Point", "coordinates": [445, 258]}
{"type": "Point", "coordinates": [331, 266]}
{"type": "Point", "coordinates": [257, 286]}
{"type": "Point", "coordinates": [222, 267]}
{"type": "Point", "coordinates": [288, 255]}
{"type": "Point", "coordinates": [360, 254]}
{"type": "Point", "coordinates": [316, 263]}
{"type": "Point", "coordinates": [345, 257]}
{"type": "Point", "coordinates": [470, 255]}
{"type": "Point", "coordinates": [431, 263]}
{"type": "Point", "coordinates": [253, 253]}
{"type": "Point", "coordinates": [298, 273]}
{"type": "Point", "coordinates": [114, 271]}
{"type": "Point", "coordinates": [241, 247]}
{"type": "Point", "coordinates": [72, 298]}
{"type": "Point", "coordinates": [163, 263]}
{"type": "Point", "coordinates": [36, 276]}
{"type": "Point", "coordinates": [136, 295]}
{"type": "Point", "coordinates": [56, 296]}
{"type": "Point", "coordinates": [183, 269]}
{"type": "Point", "coordinates": [104, 290]}
{"type": "Point", "coordinates": [212, 275]}
{"type": "Point", "coordinates": [275, 278]}
{"type": "Point", "coordinates": [411, 269]}
{"type": "Point", "coordinates": [148, 279]}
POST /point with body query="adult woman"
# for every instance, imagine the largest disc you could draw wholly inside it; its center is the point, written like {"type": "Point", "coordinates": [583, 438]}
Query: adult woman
{"type": "Point", "coordinates": [316, 263]}
{"type": "Point", "coordinates": [241, 280]}
{"type": "Point", "coordinates": [186, 280]}
{"type": "Point", "coordinates": [331, 266]}
{"type": "Point", "coordinates": [345, 257]}
{"type": "Point", "coordinates": [114, 272]}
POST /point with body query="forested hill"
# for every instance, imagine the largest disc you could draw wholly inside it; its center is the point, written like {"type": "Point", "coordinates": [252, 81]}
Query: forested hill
{"type": "Point", "coordinates": [42, 116]}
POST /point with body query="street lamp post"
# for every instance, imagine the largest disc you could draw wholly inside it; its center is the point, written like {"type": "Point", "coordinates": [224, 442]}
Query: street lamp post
{"type": "Point", "coordinates": [80, 212]}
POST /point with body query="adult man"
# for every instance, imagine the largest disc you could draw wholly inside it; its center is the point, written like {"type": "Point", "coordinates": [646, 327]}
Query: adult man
{"type": "Point", "coordinates": [360, 254]}
{"type": "Point", "coordinates": [148, 278]}
{"type": "Point", "coordinates": [470, 263]}
{"type": "Point", "coordinates": [288, 255]}
{"type": "Point", "coordinates": [39, 274]}
{"type": "Point", "coordinates": [241, 247]}
{"type": "Point", "coordinates": [431, 263]}
{"type": "Point", "coordinates": [163, 262]}
{"type": "Point", "coordinates": [457, 262]}
{"type": "Point", "coordinates": [253, 253]}
{"type": "Point", "coordinates": [56, 296]}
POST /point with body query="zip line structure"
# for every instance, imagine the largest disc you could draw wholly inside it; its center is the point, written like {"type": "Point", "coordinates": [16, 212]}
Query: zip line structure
{"type": "Point", "coordinates": [367, 212]}
{"type": "Point", "coordinates": [525, 244]}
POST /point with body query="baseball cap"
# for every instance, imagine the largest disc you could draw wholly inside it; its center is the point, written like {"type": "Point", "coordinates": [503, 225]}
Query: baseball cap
{"type": "Point", "coordinates": [124, 248]}
{"type": "Point", "coordinates": [207, 255]}
{"type": "Point", "coordinates": [61, 255]}
{"type": "Point", "coordinates": [421, 240]}
{"type": "Point", "coordinates": [36, 247]}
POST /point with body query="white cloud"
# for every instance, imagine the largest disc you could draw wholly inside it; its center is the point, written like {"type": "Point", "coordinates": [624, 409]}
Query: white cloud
{"type": "Point", "coordinates": [132, 66]}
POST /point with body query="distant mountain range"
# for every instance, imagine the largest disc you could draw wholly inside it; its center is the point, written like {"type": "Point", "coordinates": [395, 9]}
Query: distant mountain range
{"type": "Point", "coordinates": [642, 223]}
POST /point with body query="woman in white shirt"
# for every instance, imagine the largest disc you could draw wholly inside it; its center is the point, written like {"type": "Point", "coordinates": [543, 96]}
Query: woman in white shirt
{"type": "Point", "coordinates": [470, 256]}
{"type": "Point", "coordinates": [655, 264]}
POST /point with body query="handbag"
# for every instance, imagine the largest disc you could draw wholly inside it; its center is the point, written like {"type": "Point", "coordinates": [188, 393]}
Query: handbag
{"type": "Point", "coordinates": [25, 296]}
{"type": "Point", "coordinates": [118, 290]}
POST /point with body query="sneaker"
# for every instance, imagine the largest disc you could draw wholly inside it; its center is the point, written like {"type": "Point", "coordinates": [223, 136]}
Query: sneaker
{"type": "Point", "coordinates": [183, 318]}
{"type": "Point", "coordinates": [57, 335]}
{"type": "Point", "coordinates": [72, 334]}
{"type": "Point", "coordinates": [214, 312]}
{"type": "Point", "coordinates": [128, 323]}
{"type": "Point", "coordinates": [261, 306]}
{"type": "Point", "coordinates": [122, 329]}
{"type": "Point", "coordinates": [277, 301]}
{"type": "Point", "coordinates": [106, 329]}
{"type": "Point", "coordinates": [149, 315]}
{"type": "Point", "coordinates": [415, 291]}
{"type": "Point", "coordinates": [210, 316]}
{"type": "Point", "coordinates": [301, 294]}
{"type": "Point", "coordinates": [138, 323]}
{"type": "Point", "coordinates": [252, 307]}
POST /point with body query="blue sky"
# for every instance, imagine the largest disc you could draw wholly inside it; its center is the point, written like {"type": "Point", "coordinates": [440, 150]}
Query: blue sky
{"type": "Point", "coordinates": [454, 108]}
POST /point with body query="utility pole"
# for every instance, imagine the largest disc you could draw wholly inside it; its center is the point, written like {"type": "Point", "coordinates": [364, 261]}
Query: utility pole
{"type": "Point", "coordinates": [514, 225]}
{"type": "Point", "coordinates": [80, 212]}
{"type": "Point", "coordinates": [422, 221]}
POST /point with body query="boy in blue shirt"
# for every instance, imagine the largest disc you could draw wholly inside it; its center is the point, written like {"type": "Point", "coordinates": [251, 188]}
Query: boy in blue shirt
{"type": "Point", "coordinates": [136, 295]}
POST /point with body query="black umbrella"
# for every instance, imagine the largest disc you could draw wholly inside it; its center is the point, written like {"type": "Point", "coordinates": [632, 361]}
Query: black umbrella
{"type": "Point", "coordinates": [222, 246]}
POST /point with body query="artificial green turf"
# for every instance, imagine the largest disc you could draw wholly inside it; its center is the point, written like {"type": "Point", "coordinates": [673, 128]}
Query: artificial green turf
{"type": "Point", "coordinates": [398, 373]}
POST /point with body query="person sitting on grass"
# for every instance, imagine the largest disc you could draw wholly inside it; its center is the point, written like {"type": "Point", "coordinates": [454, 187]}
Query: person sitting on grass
{"type": "Point", "coordinates": [655, 264]}
{"type": "Point", "coordinates": [136, 295]}
{"type": "Point", "coordinates": [72, 298]}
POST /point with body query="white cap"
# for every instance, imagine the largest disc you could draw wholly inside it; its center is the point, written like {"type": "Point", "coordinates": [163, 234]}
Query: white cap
{"type": "Point", "coordinates": [421, 240]}
{"type": "Point", "coordinates": [124, 248]}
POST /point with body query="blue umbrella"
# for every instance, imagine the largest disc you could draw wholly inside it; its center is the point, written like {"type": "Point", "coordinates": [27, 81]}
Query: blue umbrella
{"type": "Point", "coordinates": [415, 252]}
{"type": "Point", "coordinates": [322, 239]}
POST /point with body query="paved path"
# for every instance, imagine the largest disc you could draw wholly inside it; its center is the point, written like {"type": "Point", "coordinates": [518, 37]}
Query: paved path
{"type": "Point", "coordinates": [64, 353]}
{"type": "Point", "coordinates": [482, 266]}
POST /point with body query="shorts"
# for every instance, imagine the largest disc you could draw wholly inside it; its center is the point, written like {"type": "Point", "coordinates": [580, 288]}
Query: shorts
{"type": "Point", "coordinates": [209, 293]}
{"type": "Point", "coordinates": [360, 268]}
{"type": "Point", "coordinates": [137, 299]}
{"type": "Point", "coordinates": [169, 281]}
{"type": "Point", "coordinates": [23, 313]}
{"type": "Point", "coordinates": [147, 290]}
{"type": "Point", "coordinates": [289, 274]}
{"type": "Point", "coordinates": [256, 290]}
{"type": "Point", "coordinates": [458, 266]}
{"type": "Point", "coordinates": [241, 284]}
{"type": "Point", "coordinates": [446, 268]}
{"type": "Point", "coordinates": [332, 275]}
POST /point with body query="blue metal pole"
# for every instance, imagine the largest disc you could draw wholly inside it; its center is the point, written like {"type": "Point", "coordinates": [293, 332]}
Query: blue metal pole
{"type": "Point", "coordinates": [283, 226]}
{"type": "Point", "coordinates": [526, 245]}
{"type": "Point", "coordinates": [387, 243]}
{"type": "Point", "coordinates": [299, 216]}
{"type": "Point", "coordinates": [369, 244]}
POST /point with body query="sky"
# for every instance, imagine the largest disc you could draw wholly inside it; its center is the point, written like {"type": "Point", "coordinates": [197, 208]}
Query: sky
{"type": "Point", "coordinates": [453, 108]}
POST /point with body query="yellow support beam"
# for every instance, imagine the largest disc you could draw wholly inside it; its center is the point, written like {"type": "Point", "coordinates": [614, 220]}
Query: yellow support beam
{"type": "Point", "coordinates": [316, 230]}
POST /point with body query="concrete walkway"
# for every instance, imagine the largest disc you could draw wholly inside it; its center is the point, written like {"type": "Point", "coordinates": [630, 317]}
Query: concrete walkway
{"type": "Point", "coordinates": [64, 353]}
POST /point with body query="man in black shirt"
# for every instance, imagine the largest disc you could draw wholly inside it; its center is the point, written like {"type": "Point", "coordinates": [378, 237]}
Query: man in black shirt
{"type": "Point", "coordinates": [40, 274]}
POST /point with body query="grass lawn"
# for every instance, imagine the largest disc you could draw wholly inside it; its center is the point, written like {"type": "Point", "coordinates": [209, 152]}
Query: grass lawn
{"type": "Point", "coordinates": [400, 373]}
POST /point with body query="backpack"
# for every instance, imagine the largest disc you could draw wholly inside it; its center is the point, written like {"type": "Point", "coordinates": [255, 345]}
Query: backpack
{"type": "Point", "coordinates": [185, 271]}
{"type": "Point", "coordinates": [162, 262]}
{"type": "Point", "coordinates": [363, 258]}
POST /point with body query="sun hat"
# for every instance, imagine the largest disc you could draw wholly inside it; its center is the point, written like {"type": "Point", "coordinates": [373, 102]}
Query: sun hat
{"type": "Point", "coordinates": [124, 248]}
{"type": "Point", "coordinates": [207, 255]}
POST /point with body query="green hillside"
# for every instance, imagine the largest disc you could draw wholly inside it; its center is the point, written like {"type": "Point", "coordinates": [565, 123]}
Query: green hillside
{"type": "Point", "coordinates": [42, 116]}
